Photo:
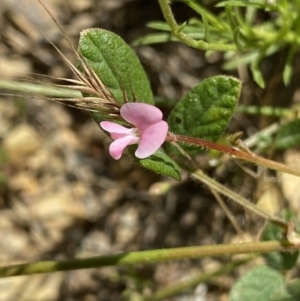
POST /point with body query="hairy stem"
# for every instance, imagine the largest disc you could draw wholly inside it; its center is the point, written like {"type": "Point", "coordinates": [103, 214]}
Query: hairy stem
{"type": "Point", "coordinates": [234, 152]}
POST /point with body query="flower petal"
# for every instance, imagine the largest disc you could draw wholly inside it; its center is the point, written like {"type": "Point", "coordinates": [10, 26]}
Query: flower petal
{"type": "Point", "coordinates": [117, 147]}
{"type": "Point", "coordinates": [151, 139]}
{"type": "Point", "coordinates": [118, 131]}
{"type": "Point", "coordinates": [140, 114]}
{"type": "Point", "coordinates": [112, 127]}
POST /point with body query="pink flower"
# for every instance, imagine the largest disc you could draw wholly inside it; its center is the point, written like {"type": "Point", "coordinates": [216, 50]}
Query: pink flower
{"type": "Point", "coordinates": [149, 131]}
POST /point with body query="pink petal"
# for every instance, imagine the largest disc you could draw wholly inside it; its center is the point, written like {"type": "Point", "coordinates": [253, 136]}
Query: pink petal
{"type": "Point", "coordinates": [151, 139]}
{"type": "Point", "coordinates": [140, 114]}
{"type": "Point", "coordinates": [117, 147]}
{"type": "Point", "coordinates": [112, 127]}
{"type": "Point", "coordinates": [118, 131]}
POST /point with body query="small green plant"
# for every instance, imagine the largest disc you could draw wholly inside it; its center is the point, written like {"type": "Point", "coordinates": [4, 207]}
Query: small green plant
{"type": "Point", "coordinates": [236, 30]}
{"type": "Point", "coordinates": [121, 102]}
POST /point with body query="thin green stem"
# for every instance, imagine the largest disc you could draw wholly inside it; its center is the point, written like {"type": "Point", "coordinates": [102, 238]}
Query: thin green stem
{"type": "Point", "coordinates": [145, 257]}
{"type": "Point", "coordinates": [199, 175]}
{"type": "Point", "coordinates": [191, 282]}
{"type": "Point", "coordinates": [268, 111]}
{"type": "Point", "coordinates": [227, 211]}
{"type": "Point", "coordinates": [266, 132]}
{"type": "Point", "coordinates": [177, 32]}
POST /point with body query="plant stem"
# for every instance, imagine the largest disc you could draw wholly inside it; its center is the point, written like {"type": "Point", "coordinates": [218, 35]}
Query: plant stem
{"type": "Point", "coordinates": [266, 132]}
{"type": "Point", "coordinates": [268, 111]}
{"type": "Point", "coordinates": [227, 211]}
{"type": "Point", "coordinates": [191, 282]}
{"type": "Point", "coordinates": [201, 176]}
{"type": "Point", "coordinates": [194, 281]}
{"type": "Point", "coordinates": [177, 32]}
{"type": "Point", "coordinates": [234, 152]}
{"type": "Point", "coordinates": [145, 257]}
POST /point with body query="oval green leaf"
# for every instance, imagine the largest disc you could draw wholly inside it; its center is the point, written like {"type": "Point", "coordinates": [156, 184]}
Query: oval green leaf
{"type": "Point", "coordinates": [116, 65]}
{"type": "Point", "coordinates": [288, 292]}
{"type": "Point", "coordinates": [159, 162]}
{"type": "Point", "coordinates": [259, 284]}
{"type": "Point", "coordinates": [205, 111]}
{"type": "Point", "coordinates": [281, 261]}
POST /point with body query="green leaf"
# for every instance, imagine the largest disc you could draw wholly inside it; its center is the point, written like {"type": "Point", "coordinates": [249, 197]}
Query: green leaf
{"type": "Point", "coordinates": [116, 65]}
{"type": "Point", "coordinates": [288, 292]}
{"type": "Point", "coordinates": [239, 40]}
{"type": "Point", "coordinates": [205, 111]}
{"type": "Point", "coordinates": [288, 135]}
{"type": "Point", "coordinates": [206, 14]}
{"type": "Point", "coordinates": [249, 3]}
{"type": "Point", "coordinates": [159, 162]}
{"type": "Point", "coordinates": [154, 38]}
{"type": "Point", "coordinates": [288, 67]}
{"type": "Point", "coordinates": [257, 75]}
{"type": "Point", "coordinates": [259, 284]}
{"type": "Point", "coordinates": [234, 61]}
{"type": "Point", "coordinates": [159, 25]}
{"type": "Point", "coordinates": [281, 261]}
{"type": "Point", "coordinates": [192, 27]}
{"type": "Point", "coordinates": [287, 74]}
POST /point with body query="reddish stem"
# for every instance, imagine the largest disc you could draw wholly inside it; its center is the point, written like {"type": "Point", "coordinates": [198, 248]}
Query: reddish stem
{"type": "Point", "coordinates": [233, 152]}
